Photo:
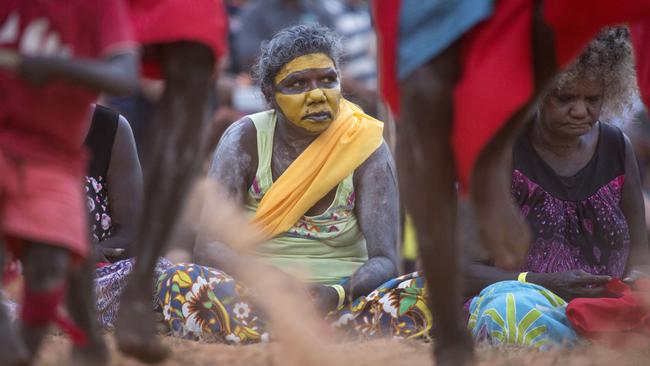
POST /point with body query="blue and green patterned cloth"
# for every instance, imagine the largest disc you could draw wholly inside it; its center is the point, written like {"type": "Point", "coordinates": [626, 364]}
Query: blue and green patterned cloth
{"type": "Point", "coordinates": [516, 313]}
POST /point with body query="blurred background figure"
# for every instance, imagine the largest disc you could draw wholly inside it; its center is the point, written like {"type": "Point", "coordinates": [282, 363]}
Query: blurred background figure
{"type": "Point", "coordinates": [181, 45]}
{"type": "Point", "coordinates": [54, 62]}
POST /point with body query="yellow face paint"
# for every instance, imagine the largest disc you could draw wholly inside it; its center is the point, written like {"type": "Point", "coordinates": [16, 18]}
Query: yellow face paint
{"type": "Point", "coordinates": [317, 107]}
{"type": "Point", "coordinates": [310, 61]}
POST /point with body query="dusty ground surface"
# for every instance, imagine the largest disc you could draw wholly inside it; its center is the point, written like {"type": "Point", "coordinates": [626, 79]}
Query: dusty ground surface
{"type": "Point", "coordinates": [371, 353]}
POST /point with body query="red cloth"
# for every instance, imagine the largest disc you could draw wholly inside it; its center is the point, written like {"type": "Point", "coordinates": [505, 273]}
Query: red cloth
{"type": "Point", "coordinates": [596, 317]}
{"type": "Point", "coordinates": [497, 79]}
{"type": "Point", "coordinates": [386, 18]}
{"type": "Point", "coordinates": [42, 203]}
{"type": "Point", "coordinates": [11, 270]}
{"type": "Point", "coordinates": [576, 22]}
{"type": "Point", "coordinates": [497, 69]}
{"type": "Point", "coordinates": [102, 264]}
{"type": "Point", "coordinates": [49, 123]}
{"type": "Point", "coordinates": [641, 42]}
{"type": "Point", "coordinates": [42, 129]}
{"type": "Point", "coordinates": [165, 21]}
{"type": "Point", "coordinates": [41, 308]}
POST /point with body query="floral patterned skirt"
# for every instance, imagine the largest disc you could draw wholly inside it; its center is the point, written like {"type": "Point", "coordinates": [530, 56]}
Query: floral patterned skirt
{"type": "Point", "coordinates": [203, 303]}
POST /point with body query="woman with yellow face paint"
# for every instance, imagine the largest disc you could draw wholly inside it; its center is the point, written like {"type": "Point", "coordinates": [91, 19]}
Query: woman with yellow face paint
{"type": "Point", "coordinates": [319, 182]}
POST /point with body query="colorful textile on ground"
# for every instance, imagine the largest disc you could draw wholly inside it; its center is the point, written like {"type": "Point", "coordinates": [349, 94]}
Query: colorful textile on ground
{"type": "Point", "coordinates": [334, 155]}
{"type": "Point", "coordinates": [111, 280]}
{"type": "Point", "coordinates": [325, 248]}
{"type": "Point", "coordinates": [398, 308]}
{"type": "Point", "coordinates": [203, 303]}
{"type": "Point", "coordinates": [515, 313]}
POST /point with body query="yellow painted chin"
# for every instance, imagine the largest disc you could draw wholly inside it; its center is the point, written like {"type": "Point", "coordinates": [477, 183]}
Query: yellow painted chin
{"type": "Point", "coordinates": [309, 61]}
{"type": "Point", "coordinates": [296, 106]}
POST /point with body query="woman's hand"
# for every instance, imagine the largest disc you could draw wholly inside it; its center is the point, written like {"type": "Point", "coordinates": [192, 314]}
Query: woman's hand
{"type": "Point", "coordinates": [325, 298]}
{"type": "Point", "coordinates": [636, 272]}
{"type": "Point", "coordinates": [105, 254]}
{"type": "Point", "coordinates": [571, 284]}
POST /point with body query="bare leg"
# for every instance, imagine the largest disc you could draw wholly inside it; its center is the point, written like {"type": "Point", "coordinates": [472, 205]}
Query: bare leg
{"type": "Point", "coordinates": [12, 350]}
{"type": "Point", "coordinates": [82, 307]}
{"type": "Point", "coordinates": [173, 161]}
{"type": "Point", "coordinates": [45, 269]}
{"type": "Point", "coordinates": [427, 180]}
{"type": "Point", "coordinates": [502, 230]}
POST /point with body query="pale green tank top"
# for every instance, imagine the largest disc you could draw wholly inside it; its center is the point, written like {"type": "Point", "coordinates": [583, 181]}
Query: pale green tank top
{"type": "Point", "coordinates": [318, 249]}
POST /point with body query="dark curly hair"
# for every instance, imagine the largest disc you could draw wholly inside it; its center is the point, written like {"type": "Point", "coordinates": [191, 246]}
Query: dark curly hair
{"type": "Point", "coordinates": [609, 57]}
{"type": "Point", "coordinates": [290, 43]}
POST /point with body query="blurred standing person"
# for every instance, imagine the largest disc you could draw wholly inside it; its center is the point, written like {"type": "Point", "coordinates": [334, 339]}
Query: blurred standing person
{"type": "Point", "coordinates": [55, 60]}
{"type": "Point", "coordinates": [181, 44]}
{"type": "Point", "coordinates": [468, 73]}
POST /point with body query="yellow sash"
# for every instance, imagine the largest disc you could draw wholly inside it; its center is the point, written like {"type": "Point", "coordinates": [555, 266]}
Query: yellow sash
{"type": "Point", "coordinates": [334, 155]}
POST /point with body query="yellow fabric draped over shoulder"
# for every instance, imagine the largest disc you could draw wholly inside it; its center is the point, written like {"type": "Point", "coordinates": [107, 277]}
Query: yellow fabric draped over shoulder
{"type": "Point", "coordinates": [335, 154]}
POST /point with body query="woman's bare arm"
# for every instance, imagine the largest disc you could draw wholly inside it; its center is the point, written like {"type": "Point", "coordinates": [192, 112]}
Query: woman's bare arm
{"type": "Point", "coordinates": [634, 211]}
{"type": "Point", "coordinates": [124, 180]}
{"type": "Point", "coordinates": [377, 209]}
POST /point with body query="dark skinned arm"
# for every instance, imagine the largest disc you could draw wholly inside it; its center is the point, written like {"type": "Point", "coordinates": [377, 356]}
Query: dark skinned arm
{"type": "Point", "coordinates": [116, 74]}
{"type": "Point", "coordinates": [633, 208]}
{"type": "Point", "coordinates": [124, 180]}
{"type": "Point", "coordinates": [377, 209]}
{"type": "Point", "coordinates": [568, 285]}
{"type": "Point", "coordinates": [479, 276]}
{"type": "Point", "coordinates": [233, 165]}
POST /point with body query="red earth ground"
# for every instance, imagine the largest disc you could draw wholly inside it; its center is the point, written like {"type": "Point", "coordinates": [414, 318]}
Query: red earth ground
{"type": "Point", "coordinates": [368, 353]}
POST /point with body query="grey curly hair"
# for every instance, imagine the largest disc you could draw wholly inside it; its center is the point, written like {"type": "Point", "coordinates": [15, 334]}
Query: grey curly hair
{"type": "Point", "coordinates": [608, 56]}
{"type": "Point", "coordinates": [290, 43]}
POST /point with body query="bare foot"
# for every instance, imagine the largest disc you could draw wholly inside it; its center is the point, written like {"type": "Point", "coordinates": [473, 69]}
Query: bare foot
{"type": "Point", "coordinates": [12, 350]}
{"type": "Point", "coordinates": [457, 353]}
{"type": "Point", "coordinates": [93, 354]}
{"type": "Point", "coordinates": [135, 330]}
{"type": "Point", "coordinates": [502, 230]}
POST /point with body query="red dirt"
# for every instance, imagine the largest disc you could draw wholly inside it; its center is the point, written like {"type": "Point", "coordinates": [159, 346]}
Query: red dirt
{"type": "Point", "coordinates": [371, 353]}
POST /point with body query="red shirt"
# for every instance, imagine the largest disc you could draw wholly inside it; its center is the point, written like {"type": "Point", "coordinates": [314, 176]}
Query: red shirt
{"type": "Point", "coordinates": [49, 123]}
{"type": "Point", "coordinates": [167, 21]}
